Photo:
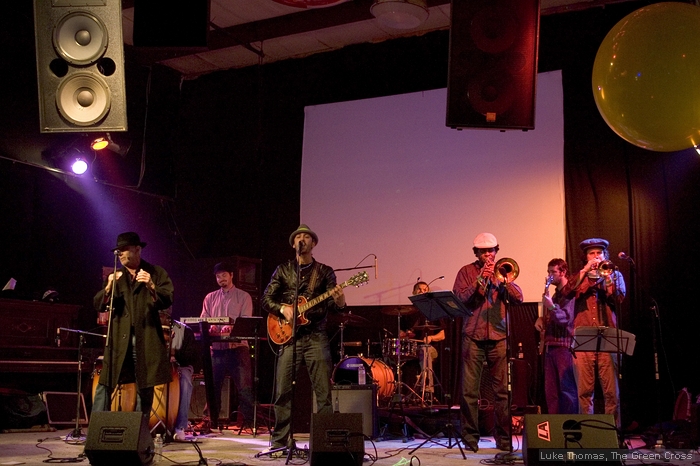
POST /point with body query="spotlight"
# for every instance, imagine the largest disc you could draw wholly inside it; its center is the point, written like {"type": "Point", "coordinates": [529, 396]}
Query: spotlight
{"type": "Point", "coordinates": [79, 166]}
{"type": "Point", "coordinates": [99, 144]}
{"type": "Point", "coordinates": [108, 143]}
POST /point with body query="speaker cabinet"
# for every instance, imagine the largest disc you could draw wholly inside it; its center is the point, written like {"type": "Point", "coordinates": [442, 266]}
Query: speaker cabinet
{"type": "Point", "coordinates": [80, 65]}
{"type": "Point", "coordinates": [336, 439]}
{"type": "Point", "coordinates": [116, 438]}
{"type": "Point", "coordinates": [569, 431]}
{"type": "Point", "coordinates": [357, 399]}
{"type": "Point", "coordinates": [492, 72]}
{"type": "Point", "coordinates": [171, 23]}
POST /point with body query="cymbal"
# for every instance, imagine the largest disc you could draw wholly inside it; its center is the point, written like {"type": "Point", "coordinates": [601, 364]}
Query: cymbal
{"type": "Point", "coordinates": [426, 327]}
{"type": "Point", "coordinates": [399, 310]}
{"type": "Point", "coordinates": [352, 320]}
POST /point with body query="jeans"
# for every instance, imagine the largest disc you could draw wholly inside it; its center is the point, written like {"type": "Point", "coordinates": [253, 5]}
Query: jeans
{"type": "Point", "coordinates": [474, 353]}
{"type": "Point", "coordinates": [234, 362]}
{"type": "Point", "coordinates": [313, 349]}
{"type": "Point", "coordinates": [560, 381]}
{"type": "Point", "coordinates": [185, 397]}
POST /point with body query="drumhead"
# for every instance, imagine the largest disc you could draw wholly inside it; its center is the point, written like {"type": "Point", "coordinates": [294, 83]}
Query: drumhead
{"type": "Point", "coordinates": [345, 373]}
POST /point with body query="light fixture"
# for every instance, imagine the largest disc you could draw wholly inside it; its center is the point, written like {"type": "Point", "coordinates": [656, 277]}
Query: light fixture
{"type": "Point", "coordinates": [79, 166]}
{"type": "Point", "coordinates": [106, 142]}
{"type": "Point", "coordinates": [400, 14]}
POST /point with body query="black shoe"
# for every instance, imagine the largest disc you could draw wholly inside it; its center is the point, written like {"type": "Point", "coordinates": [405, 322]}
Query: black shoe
{"type": "Point", "coordinates": [472, 445]}
{"type": "Point", "coordinates": [503, 445]}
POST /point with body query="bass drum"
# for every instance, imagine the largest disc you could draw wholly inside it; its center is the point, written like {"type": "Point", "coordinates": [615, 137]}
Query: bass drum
{"type": "Point", "coordinates": [123, 397]}
{"type": "Point", "coordinates": [376, 372]}
{"type": "Point", "coordinates": [166, 401]}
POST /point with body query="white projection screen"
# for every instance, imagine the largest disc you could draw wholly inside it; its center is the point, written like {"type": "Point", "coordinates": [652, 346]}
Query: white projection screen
{"type": "Point", "coordinates": [386, 177]}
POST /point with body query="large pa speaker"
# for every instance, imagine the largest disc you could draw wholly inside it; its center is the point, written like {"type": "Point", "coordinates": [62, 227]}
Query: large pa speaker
{"type": "Point", "coordinates": [80, 65]}
{"type": "Point", "coordinates": [492, 72]}
{"type": "Point", "coordinates": [336, 439]}
{"type": "Point", "coordinates": [357, 399]}
{"type": "Point", "coordinates": [116, 438]}
{"type": "Point", "coordinates": [567, 431]}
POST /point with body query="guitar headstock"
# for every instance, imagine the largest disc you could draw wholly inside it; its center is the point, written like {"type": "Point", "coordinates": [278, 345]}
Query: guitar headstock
{"type": "Point", "coordinates": [550, 279]}
{"type": "Point", "coordinates": [358, 279]}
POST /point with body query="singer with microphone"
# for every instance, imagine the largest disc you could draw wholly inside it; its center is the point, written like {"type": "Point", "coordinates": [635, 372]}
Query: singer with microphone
{"type": "Point", "coordinates": [311, 344]}
{"type": "Point", "coordinates": [135, 349]}
{"type": "Point", "coordinates": [600, 289]}
{"type": "Point", "coordinates": [484, 336]}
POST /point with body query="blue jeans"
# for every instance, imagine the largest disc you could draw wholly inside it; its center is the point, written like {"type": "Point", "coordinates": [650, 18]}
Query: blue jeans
{"type": "Point", "coordinates": [474, 353]}
{"type": "Point", "coordinates": [185, 397]}
{"type": "Point", "coordinates": [235, 363]}
{"type": "Point", "coordinates": [313, 349]}
{"type": "Point", "coordinates": [560, 381]}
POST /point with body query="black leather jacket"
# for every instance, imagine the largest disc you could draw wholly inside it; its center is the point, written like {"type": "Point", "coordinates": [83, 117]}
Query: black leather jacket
{"type": "Point", "coordinates": [280, 291]}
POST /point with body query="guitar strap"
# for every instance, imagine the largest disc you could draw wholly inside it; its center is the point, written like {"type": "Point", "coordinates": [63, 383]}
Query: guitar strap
{"type": "Point", "coordinates": [313, 279]}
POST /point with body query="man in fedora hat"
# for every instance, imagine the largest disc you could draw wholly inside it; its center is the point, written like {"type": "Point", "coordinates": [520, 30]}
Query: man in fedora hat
{"type": "Point", "coordinates": [599, 294]}
{"type": "Point", "coordinates": [136, 350]}
{"type": "Point", "coordinates": [312, 344]}
{"type": "Point", "coordinates": [484, 339]}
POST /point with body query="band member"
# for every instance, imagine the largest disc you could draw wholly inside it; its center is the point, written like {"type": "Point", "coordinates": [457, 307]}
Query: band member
{"type": "Point", "coordinates": [426, 360]}
{"type": "Point", "coordinates": [136, 350]}
{"type": "Point", "coordinates": [185, 353]}
{"type": "Point", "coordinates": [484, 339]}
{"type": "Point", "coordinates": [557, 327]}
{"type": "Point", "coordinates": [312, 344]}
{"type": "Point", "coordinates": [230, 358]}
{"type": "Point", "coordinates": [599, 292]}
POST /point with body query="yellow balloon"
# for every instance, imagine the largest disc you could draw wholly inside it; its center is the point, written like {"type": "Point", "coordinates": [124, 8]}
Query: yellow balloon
{"type": "Point", "coordinates": [646, 77]}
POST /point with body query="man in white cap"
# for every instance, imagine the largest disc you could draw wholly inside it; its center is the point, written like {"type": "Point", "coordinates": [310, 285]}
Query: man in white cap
{"type": "Point", "coordinates": [484, 339]}
{"type": "Point", "coordinates": [599, 292]}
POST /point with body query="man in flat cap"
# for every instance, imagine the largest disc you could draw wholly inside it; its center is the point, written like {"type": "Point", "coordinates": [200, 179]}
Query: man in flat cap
{"type": "Point", "coordinates": [599, 292]}
{"type": "Point", "coordinates": [232, 358]}
{"type": "Point", "coordinates": [136, 350]}
{"type": "Point", "coordinates": [312, 344]}
{"type": "Point", "coordinates": [484, 339]}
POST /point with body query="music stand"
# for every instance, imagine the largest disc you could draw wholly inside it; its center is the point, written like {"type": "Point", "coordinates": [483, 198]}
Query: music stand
{"type": "Point", "coordinates": [603, 340]}
{"type": "Point", "coordinates": [437, 305]}
{"type": "Point", "coordinates": [248, 328]}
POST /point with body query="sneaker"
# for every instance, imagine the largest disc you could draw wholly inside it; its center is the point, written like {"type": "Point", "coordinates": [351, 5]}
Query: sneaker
{"type": "Point", "coordinates": [179, 435]}
{"type": "Point", "coordinates": [276, 454]}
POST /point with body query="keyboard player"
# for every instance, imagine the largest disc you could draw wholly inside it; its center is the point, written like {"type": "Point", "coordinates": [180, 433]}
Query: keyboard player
{"type": "Point", "coordinates": [230, 358]}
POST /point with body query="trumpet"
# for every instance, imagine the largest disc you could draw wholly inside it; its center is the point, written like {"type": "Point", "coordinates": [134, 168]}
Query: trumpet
{"type": "Point", "coordinates": [605, 268]}
{"type": "Point", "coordinates": [506, 270]}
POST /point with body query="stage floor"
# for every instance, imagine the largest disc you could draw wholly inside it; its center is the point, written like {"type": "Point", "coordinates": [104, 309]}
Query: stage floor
{"type": "Point", "coordinates": [227, 447]}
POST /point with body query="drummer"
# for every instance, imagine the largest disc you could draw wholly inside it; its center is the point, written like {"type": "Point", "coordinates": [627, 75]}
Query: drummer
{"type": "Point", "coordinates": [420, 288]}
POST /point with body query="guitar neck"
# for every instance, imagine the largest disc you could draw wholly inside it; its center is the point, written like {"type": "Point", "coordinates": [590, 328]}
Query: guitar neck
{"type": "Point", "coordinates": [309, 304]}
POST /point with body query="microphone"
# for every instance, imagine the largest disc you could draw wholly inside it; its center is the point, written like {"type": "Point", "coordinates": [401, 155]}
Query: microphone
{"type": "Point", "coordinates": [503, 271]}
{"type": "Point", "coordinates": [58, 336]}
{"type": "Point", "coordinates": [300, 246]}
{"type": "Point", "coordinates": [116, 252]}
{"type": "Point", "coordinates": [376, 274]}
{"type": "Point", "coordinates": [623, 255]}
{"type": "Point", "coordinates": [441, 277]}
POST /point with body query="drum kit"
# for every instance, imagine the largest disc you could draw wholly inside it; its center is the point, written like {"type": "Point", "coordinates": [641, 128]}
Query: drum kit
{"type": "Point", "coordinates": [386, 371]}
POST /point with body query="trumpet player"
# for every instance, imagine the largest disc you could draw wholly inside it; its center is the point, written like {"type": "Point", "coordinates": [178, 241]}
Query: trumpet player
{"type": "Point", "coordinates": [483, 286]}
{"type": "Point", "coordinates": [600, 289]}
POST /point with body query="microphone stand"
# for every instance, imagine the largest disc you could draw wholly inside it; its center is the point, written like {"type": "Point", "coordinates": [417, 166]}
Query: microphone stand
{"type": "Point", "coordinates": [108, 346]}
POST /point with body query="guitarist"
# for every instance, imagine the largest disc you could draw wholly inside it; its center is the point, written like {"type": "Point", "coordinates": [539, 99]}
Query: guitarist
{"type": "Point", "coordinates": [312, 345]}
{"type": "Point", "coordinates": [557, 322]}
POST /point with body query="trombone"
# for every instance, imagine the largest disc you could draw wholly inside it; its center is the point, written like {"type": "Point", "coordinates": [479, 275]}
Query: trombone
{"type": "Point", "coordinates": [506, 270]}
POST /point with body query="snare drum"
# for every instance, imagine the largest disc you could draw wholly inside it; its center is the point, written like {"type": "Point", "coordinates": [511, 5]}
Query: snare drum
{"type": "Point", "coordinates": [393, 347]}
{"type": "Point", "coordinates": [378, 372]}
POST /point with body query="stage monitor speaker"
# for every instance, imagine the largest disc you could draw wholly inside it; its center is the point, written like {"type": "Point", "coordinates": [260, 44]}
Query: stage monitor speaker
{"type": "Point", "coordinates": [568, 431]}
{"type": "Point", "coordinates": [80, 65]}
{"type": "Point", "coordinates": [492, 73]}
{"type": "Point", "coordinates": [336, 439]}
{"type": "Point", "coordinates": [171, 23]}
{"type": "Point", "coordinates": [357, 399]}
{"type": "Point", "coordinates": [116, 438]}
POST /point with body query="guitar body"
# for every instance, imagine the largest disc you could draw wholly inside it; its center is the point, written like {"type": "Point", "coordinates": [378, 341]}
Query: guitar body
{"type": "Point", "coordinates": [280, 330]}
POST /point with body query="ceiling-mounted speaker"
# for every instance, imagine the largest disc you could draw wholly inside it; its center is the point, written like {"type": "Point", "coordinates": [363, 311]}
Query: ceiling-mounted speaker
{"type": "Point", "coordinates": [80, 65]}
{"type": "Point", "coordinates": [492, 74]}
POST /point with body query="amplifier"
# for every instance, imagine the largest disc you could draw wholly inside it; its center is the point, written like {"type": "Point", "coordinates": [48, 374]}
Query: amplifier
{"type": "Point", "coordinates": [357, 399]}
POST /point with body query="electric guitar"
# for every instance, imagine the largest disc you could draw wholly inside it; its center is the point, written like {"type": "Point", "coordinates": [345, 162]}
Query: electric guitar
{"type": "Point", "coordinates": [280, 329]}
{"type": "Point", "coordinates": [550, 279]}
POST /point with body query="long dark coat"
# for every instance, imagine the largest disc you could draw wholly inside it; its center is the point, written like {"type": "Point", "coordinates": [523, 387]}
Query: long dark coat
{"type": "Point", "coordinates": [134, 304]}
